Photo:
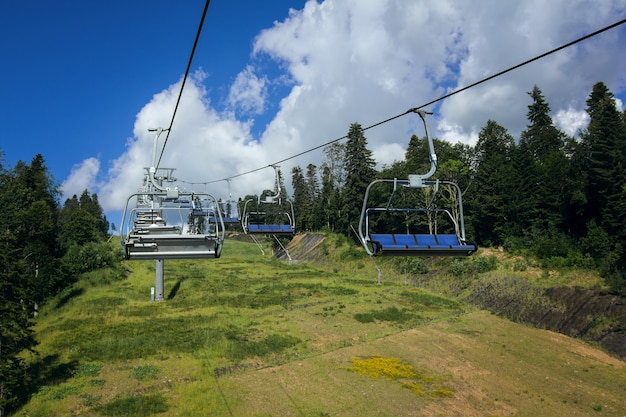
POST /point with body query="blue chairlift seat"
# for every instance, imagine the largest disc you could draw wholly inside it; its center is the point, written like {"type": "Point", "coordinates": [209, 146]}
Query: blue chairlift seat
{"type": "Point", "coordinates": [396, 244]}
{"type": "Point", "coordinates": [270, 229]}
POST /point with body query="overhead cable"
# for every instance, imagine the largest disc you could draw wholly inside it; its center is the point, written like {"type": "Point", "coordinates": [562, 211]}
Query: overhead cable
{"type": "Point", "coordinates": [182, 86]}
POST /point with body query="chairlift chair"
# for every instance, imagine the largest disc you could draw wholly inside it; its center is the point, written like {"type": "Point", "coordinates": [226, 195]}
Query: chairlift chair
{"type": "Point", "coordinates": [168, 224]}
{"type": "Point", "coordinates": [227, 212]}
{"type": "Point", "coordinates": [424, 234]}
{"type": "Point", "coordinates": [272, 215]}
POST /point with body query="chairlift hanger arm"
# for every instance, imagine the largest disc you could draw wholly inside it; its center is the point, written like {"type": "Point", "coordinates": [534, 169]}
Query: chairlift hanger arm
{"type": "Point", "coordinates": [272, 198]}
{"type": "Point", "coordinates": [431, 148]}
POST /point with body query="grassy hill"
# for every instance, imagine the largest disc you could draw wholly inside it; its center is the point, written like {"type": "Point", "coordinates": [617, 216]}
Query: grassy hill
{"type": "Point", "coordinates": [251, 335]}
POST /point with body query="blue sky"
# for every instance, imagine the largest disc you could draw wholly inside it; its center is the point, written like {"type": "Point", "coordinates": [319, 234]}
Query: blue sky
{"type": "Point", "coordinates": [84, 81]}
{"type": "Point", "coordinates": [76, 73]}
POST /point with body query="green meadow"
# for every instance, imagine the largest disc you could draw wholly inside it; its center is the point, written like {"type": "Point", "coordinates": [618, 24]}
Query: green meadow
{"type": "Point", "coordinates": [251, 335]}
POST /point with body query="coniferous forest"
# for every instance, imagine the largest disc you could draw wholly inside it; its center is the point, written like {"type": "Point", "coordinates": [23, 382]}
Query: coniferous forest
{"type": "Point", "coordinates": [557, 198]}
{"type": "Point", "coordinates": [546, 195]}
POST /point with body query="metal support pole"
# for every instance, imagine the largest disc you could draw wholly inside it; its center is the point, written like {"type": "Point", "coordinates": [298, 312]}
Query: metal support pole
{"type": "Point", "coordinates": [159, 264]}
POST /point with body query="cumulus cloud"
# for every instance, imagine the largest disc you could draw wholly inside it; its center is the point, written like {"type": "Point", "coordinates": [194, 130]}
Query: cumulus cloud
{"type": "Point", "coordinates": [81, 178]}
{"type": "Point", "coordinates": [571, 121]}
{"type": "Point", "coordinates": [248, 92]}
{"type": "Point", "coordinates": [355, 61]}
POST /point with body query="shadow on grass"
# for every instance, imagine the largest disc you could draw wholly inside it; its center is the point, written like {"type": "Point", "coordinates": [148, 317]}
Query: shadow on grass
{"type": "Point", "coordinates": [67, 295]}
{"type": "Point", "coordinates": [134, 405]}
{"type": "Point", "coordinates": [175, 289]}
{"type": "Point", "coordinates": [45, 372]}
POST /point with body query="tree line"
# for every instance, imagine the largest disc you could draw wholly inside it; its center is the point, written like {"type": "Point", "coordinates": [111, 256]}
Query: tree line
{"type": "Point", "coordinates": [44, 248]}
{"type": "Point", "coordinates": [558, 198]}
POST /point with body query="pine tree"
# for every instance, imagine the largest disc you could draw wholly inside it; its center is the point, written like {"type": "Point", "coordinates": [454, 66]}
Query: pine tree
{"type": "Point", "coordinates": [29, 201]}
{"type": "Point", "coordinates": [301, 207]}
{"type": "Point", "coordinates": [312, 183]}
{"type": "Point", "coordinates": [494, 186]}
{"type": "Point", "coordinates": [324, 210]}
{"type": "Point", "coordinates": [606, 146]}
{"type": "Point", "coordinates": [542, 166]}
{"type": "Point", "coordinates": [359, 173]}
{"type": "Point", "coordinates": [16, 268]}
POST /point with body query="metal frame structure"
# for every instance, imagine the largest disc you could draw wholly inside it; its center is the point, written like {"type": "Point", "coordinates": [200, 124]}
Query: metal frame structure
{"type": "Point", "coordinates": [155, 227]}
{"type": "Point", "coordinates": [172, 225]}
{"type": "Point", "coordinates": [227, 208]}
{"type": "Point", "coordinates": [256, 222]}
{"type": "Point", "coordinates": [409, 242]}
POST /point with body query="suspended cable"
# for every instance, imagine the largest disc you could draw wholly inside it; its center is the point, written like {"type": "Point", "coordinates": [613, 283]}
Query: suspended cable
{"type": "Point", "coordinates": [414, 109]}
{"type": "Point", "coordinates": [182, 86]}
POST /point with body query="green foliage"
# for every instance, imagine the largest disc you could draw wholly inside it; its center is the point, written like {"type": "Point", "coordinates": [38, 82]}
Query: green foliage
{"type": "Point", "coordinates": [90, 256]}
{"type": "Point", "coordinates": [492, 196]}
{"type": "Point", "coordinates": [359, 173]}
{"type": "Point", "coordinates": [33, 266]}
{"type": "Point", "coordinates": [411, 265]}
{"type": "Point", "coordinates": [478, 264]}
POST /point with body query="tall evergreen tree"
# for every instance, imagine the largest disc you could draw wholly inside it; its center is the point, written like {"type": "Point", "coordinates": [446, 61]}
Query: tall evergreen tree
{"type": "Point", "coordinates": [312, 183]}
{"type": "Point", "coordinates": [29, 203]}
{"type": "Point", "coordinates": [301, 207]}
{"type": "Point", "coordinates": [16, 334]}
{"type": "Point", "coordinates": [543, 166]}
{"type": "Point", "coordinates": [605, 143]}
{"type": "Point", "coordinates": [325, 208]}
{"type": "Point", "coordinates": [82, 220]}
{"type": "Point", "coordinates": [494, 185]}
{"type": "Point", "coordinates": [359, 173]}
{"type": "Point", "coordinates": [17, 267]}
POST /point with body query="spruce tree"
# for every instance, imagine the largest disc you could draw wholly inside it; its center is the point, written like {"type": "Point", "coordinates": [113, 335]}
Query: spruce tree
{"type": "Point", "coordinates": [543, 167]}
{"type": "Point", "coordinates": [494, 186]}
{"type": "Point", "coordinates": [605, 144]}
{"type": "Point", "coordinates": [359, 173]}
{"type": "Point", "coordinates": [300, 198]}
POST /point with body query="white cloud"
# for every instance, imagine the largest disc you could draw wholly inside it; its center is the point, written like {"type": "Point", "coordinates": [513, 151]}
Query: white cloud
{"type": "Point", "coordinates": [82, 177]}
{"type": "Point", "coordinates": [571, 121]}
{"type": "Point", "coordinates": [454, 133]}
{"type": "Point", "coordinates": [203, 145]}
{"type": "Point", "coordinates": [347, 61]}
{"type": "Point", "coordinates": [248, 92]}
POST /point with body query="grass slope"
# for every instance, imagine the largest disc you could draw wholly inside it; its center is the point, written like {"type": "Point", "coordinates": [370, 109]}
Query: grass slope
{"type": "Point", "coordinates": [248, 335]}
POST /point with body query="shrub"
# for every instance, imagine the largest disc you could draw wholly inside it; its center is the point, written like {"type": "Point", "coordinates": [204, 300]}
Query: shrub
{"type": "Point", "coordinates": [89, 257]}
{"type": "Point", "coordinates": [486, 263]}
{"type": "Point", "coordinates": [411, 265]}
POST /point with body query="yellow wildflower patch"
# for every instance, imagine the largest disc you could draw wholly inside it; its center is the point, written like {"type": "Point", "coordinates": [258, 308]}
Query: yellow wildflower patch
{"type": "Point", "coordinates": [421, 383]}
{"type": "Point", "coordinates": [378, 366]}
